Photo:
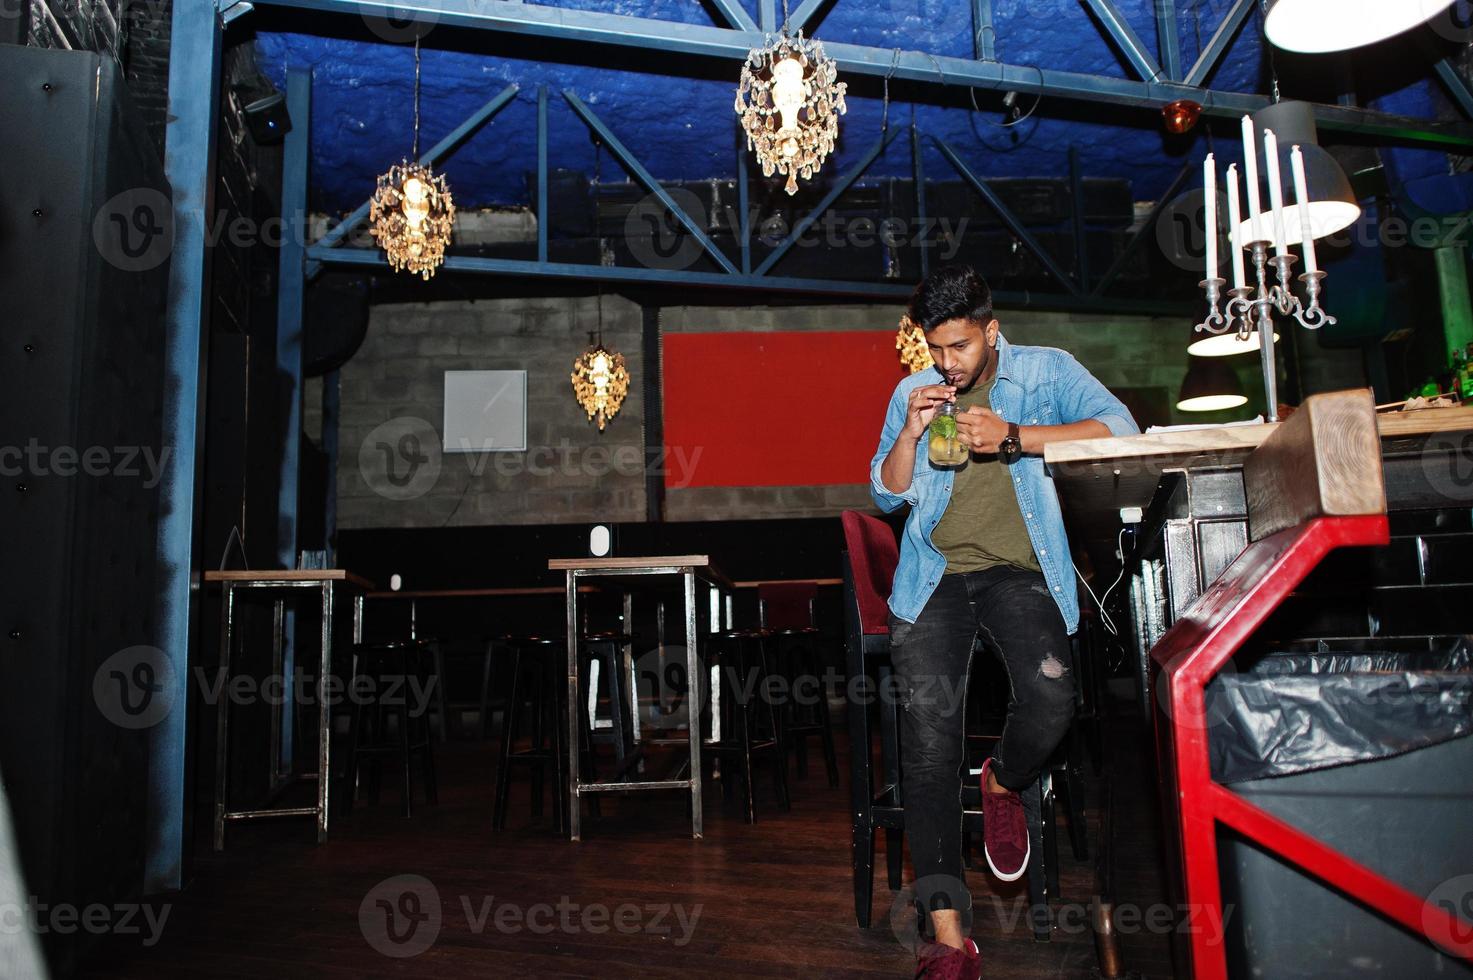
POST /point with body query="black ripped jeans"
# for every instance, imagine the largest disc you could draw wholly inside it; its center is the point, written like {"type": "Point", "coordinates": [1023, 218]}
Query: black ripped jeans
{"type": "Point", "coordinates": [1016, 618]}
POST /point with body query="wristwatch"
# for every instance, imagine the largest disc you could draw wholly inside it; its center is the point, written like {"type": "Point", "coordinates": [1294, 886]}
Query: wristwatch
{"type": "Point", "coordinates": [1011, 447]}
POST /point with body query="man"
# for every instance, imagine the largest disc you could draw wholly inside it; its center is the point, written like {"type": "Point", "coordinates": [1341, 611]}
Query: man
{"type": "Point", "coordinates": [983, 553]}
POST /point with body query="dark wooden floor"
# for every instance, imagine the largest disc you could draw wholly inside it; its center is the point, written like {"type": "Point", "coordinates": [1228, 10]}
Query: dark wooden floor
{"type": "Point", "coordinates": [637, 897]}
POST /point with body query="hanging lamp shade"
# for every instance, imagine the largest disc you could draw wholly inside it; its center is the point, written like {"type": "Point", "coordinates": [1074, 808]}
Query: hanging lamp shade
{"type": "Point", "coordinates": [1210, 386]}
{"type": "Point", "coordinates": [1223, 344]}
{"type": "Point", "coordinates": [1321, 26]}
{"type": "Point", "coordinates": [1332, 203]}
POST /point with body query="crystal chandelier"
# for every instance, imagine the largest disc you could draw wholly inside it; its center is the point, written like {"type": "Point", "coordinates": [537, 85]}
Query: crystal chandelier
{"type": "Point", "coordinates": [600, 379]}
{"type": "Point", "coordinates": [911, 342]}
{"type": "Point", "coordinates": [789, 101]}
{"type": "Point", "coordinates": [412, 212]}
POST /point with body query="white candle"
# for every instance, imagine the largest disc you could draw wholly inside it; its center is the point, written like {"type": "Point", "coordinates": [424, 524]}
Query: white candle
{"type": "Point", "coordinates": [1255, 203]}
{"type": "Point", "coordinates": [1234, 220]}
{"type": "Point", "coordinates": [1275, 191]}
{"type": "Point", "coordinates": [1209, 181]}
{"type": "Point", "coordinates": [1301, 198]}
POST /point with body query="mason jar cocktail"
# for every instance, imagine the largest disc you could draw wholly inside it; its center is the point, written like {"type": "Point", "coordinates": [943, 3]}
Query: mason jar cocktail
{"type": "Point", "coordinates": [944, 449]}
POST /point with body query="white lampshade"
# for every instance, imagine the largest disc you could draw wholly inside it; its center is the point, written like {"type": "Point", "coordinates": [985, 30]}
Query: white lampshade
{"type": "Point", "coordinates": [1210, 386]}
{"type": "Point", "coordinates": [1332, 203]}
{"type": "Point", "coordinates": [1320, 26]}
{"type": "Point", "coordinates": [1225, 344]}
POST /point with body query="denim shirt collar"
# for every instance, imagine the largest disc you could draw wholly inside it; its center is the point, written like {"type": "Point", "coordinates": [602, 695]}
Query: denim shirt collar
{"type": "Point", "coordinates": [1004, 357]}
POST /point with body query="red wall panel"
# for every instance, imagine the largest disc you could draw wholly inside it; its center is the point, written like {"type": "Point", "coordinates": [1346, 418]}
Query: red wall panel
{"type": "Point", "coordinates": [776, 409]}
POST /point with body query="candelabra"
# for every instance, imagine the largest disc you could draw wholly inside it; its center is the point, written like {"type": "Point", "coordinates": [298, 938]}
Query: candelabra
{"type": "Point", "coordinates": [1243, 313]}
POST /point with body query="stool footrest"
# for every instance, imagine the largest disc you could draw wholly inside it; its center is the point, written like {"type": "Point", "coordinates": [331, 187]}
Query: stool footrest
{"type": "Point", "coordinates": [294, 811]}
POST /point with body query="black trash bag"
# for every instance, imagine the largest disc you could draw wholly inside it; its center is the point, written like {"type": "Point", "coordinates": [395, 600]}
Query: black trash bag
{"type": "Point", "coordinates": [1302, 711]}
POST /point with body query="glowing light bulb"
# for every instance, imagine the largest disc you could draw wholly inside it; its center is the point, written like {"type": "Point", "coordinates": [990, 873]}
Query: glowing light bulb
{"type": "Point", "coordinates": [787, 96]}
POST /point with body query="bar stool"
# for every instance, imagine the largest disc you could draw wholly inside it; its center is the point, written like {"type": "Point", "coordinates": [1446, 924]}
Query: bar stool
{"type": "Point", "coordinates": [742, 720]}
{"type": "Point", "coordinates": [606, 675]}
{"type": "Point", "coordinates": [394, 672]}
{"type": "Point", "coordinates": [786, 614]}
{"type": "Point", "coordinates": [465, 672]}
{"type": "Point", "coordinates": [537, 672]}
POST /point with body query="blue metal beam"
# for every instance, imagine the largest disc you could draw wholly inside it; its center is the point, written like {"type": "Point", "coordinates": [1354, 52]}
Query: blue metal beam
{"type": "Point", "coordinates": [984, 34]}
{"type": "Point", "coordinates": [542, 173]}
{"type": "Point", "coordinates": [452, 142]}
{"type": "Point", "coordinates": [1126, 38]}
{"type": "Point", "coordinates": [1168, 39]}
{"type": "Point", "coordinates": [189, 165]}
{"type": "Point", "coordinates": [291, 293]}
{"type": "Point", "coordinates": [332, 413]}
{"type": "Point", "coordinates": [798, 19]}
{"type": "Point", "coordinates": [934, 71]}
{"type": "Point", "coordinates": [638, 275]}
{"type": "Point", "coordinates": [744, 232]}
{"type": "Point", "coordinates": [1219, 44]}
{"type": "Point", "coordinates": [767, 15]}
{"type": "Point", "coordinates": [736, 16]}
{"type": "Point", "coordinates": [639, 173]}
{"type": "Point", "coordinates": [918, 175]}
{"type": "Point", "coordinates": [1008, 218]}
{"type": "Point", "coordinates": [1081, 233]}
{"type": "Point", "coordinates": [291, 304]}
{"type": "Point", "coordinates": [1456, 85]}
{"type": "Point", "coordinates": [860, 166]}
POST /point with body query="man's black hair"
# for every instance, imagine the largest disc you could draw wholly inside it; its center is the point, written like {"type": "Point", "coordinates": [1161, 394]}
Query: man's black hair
{"type": "Point", "coordinates": [955, 292]}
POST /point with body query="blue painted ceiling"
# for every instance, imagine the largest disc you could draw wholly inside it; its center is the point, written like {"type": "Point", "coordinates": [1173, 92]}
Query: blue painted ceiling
{"type": "Point", "coordinates": [682, 127]}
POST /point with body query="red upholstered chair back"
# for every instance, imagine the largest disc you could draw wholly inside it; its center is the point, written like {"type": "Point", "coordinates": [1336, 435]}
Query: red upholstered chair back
{"type": "Point", "coordinates": [873, 556]}
{"type": "Point", "coordinates": [787, 605]}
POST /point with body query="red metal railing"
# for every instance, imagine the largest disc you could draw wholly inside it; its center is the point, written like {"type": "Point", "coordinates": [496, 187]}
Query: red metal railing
{"type": "Point", "coordinates": [1186, 659]}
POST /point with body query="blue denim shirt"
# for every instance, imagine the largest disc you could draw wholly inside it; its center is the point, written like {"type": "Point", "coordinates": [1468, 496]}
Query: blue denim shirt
{"type": "Point", "coordinates": [1035, 386]}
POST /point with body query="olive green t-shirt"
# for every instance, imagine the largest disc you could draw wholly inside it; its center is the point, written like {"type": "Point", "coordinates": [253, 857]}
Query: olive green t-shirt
{"type": "Point", "coordinates": [982, 526]}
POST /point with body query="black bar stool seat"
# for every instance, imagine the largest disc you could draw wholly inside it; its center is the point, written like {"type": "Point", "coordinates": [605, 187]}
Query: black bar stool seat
{"type": "Point", "coordinates": [396, 672]}
{"type": "Point", "coordinates": [743, 723]}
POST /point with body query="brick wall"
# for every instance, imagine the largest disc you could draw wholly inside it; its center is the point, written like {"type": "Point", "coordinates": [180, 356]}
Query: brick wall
{"type": "Point", "coordinates": [570, 472]}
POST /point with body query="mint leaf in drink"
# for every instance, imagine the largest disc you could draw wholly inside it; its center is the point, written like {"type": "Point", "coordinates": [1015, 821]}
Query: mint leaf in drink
{"type": "Point", "coordinates": [944, 426]}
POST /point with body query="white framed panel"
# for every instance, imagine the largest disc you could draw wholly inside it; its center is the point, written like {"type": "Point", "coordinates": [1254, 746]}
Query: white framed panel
{"type": "Point", "coordinates": [485, 411]}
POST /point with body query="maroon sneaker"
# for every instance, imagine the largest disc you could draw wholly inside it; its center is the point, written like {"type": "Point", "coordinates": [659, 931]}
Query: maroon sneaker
{"type": "Point", "coordinates": [935, 961]}
{"type": "Point", "coordinates": [1004, 831]}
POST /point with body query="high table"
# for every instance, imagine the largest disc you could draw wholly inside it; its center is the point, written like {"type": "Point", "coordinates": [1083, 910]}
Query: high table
{"type": "Point", "coordinates": [328, 581]}
{"type": "Point", "coordinates": [624, 574]}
